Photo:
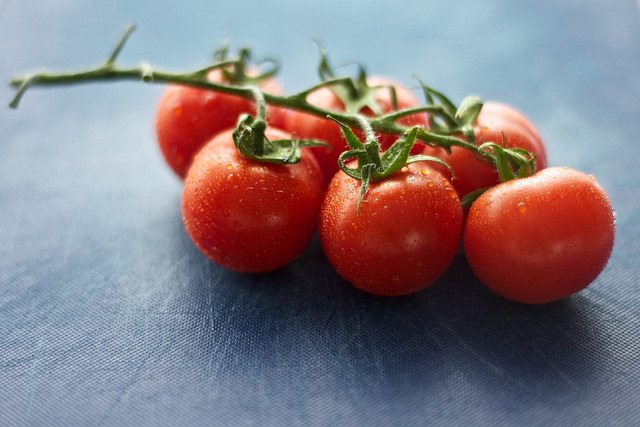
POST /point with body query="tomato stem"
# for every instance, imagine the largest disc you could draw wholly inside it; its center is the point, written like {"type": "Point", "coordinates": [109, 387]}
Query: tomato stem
{"type": "Point", "coordinates": [446, 119]}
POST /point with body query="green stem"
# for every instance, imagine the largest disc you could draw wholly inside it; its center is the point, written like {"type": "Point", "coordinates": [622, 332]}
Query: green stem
{"type": "Point", "coordinates": [109, 71]}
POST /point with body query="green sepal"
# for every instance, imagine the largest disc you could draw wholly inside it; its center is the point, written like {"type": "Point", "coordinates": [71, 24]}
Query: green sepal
{"type": "Point", "coordinates": [397, 156]}
{"type": "Point", "coordinates": [251, 142]}
{"type": "Point", "coordinates": [356, 94]}
{"type": "Point", "coordinates": [371, 165]}
{"type": "Point", "coordinates": [237, 73]}
{"type": "Point", "coordinates": [449, 110]}
{"type": "Point", "coordinates": [471, 197]}
{"type": "Point", "coordinates": [503, 166]}
{"type": "Point", "coordinates": [425, 158]}
{"type": "Point", "coordinates": [523, 161]}
{"type": "Point", "coordinates": [468, 111]}
{"type": "Point", "coordinates": [511, 163]}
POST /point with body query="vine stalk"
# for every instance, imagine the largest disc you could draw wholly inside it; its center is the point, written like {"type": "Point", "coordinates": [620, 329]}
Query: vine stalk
{"type": "Point", "coordinates": [457, 121]}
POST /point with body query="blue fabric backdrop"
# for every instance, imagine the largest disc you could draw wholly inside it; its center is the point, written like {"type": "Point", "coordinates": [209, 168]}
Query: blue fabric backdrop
{"type": "Point", "coordinates": [110, 316]}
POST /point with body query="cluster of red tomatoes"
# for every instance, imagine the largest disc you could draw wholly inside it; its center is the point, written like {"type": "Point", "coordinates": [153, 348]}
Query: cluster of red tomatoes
{"type": "Point", "coordinates": [534, 239]}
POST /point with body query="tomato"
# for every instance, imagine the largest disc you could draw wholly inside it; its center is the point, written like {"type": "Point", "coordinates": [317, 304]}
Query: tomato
{"type": "Point", "coordinates": [541, 238]}
{"type": "Point", "coordinates": [188, 117]}
{"type": "Point", "coordinates": [494, 121]}
{"type": "Point", "coordinates": [250, 216]}
{"type": "Point", "coordinates": [304, 125]}
{"type": "Point", "coordinates": [405, 237]}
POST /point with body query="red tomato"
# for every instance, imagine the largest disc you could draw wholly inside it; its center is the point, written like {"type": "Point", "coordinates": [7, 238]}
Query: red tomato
{"type": "Point", "coordinates": [188, 117]}
{"type": "Point", "coordinates": [541, 238]}
{"type": "Point", "coordinates": [307, 126]}
{"type": "Point", "coordinates": [494, 121]}
{"type": "Point", "coordinates": [250, 216]}
{"type": "Point", "coordinates": [405, 237]}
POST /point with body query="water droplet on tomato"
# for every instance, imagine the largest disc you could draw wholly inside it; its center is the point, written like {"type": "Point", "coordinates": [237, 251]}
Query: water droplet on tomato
{"type": "Point", "coordinates": [425, 171]}
{"type": "Point", "coordinates": [452, 193]}
{"type": "Point", "coordinates": [522, 208]}
{"type": "Point", "coordinates": [231, 179]}
{"type": "Point", "coordinates": [229, 166]}
{"type": "Point", "coordinates": [430, 183]}
{"type": "Point", "coordinates": [250, 190]}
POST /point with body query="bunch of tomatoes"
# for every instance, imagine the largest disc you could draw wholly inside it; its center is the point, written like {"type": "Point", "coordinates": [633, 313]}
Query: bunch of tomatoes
{"type": "Point", "coordinates": [533, 238]}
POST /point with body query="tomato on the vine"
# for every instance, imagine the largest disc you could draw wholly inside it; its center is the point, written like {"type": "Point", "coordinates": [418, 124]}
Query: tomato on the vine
{"type": "Point", "coordinates": [188, 117]}
{"type": "Point", "coordinates": [497, 123]}
{"type": "Point", "coordinates": [246, 215]}
{"type": "Point", "coordinates": [541, 238]}
{"type": "Point", "coordinates": [405, 237]}
{"type": "Point", "coordinates": [305, 125]}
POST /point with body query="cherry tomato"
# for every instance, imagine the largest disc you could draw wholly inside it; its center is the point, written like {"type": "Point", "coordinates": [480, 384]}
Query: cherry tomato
{"type": "Point", "coordinates": [541, 238]}
{"type": "Point", "coordinates": [494, 121]}
{"type": "Point", "coordinates": [250, 216]}
{"type": "Point", "coordinates": [405, 237]}
{"type": "Point", "coordinates": [188, 117]}
{"type": "Point", "coordinates": [304, 125]}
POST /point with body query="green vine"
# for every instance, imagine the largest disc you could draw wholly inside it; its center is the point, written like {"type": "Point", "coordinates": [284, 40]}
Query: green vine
{"type": "Point", "coordinates": [446, 120]}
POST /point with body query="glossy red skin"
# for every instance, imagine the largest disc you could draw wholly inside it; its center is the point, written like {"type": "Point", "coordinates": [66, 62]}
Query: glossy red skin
{"type": "Point", "coordinates": [188, 117]}
{"type": "Point", "coordinates": [304, 125]}
{"type": "Point", "coordinates": [542, 238]}
{"type": "Point", "coordinates": [250, 216]}
{"type": "Point", "coordinates": [494, 120]}
{"type": "Point", "coordinates": [405, 237]}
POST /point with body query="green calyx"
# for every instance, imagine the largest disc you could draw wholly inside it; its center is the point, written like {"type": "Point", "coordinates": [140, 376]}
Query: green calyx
{"type": "Point", "coordinates": [243, 71]}
{"type": "Point", "coordinates": [448, 120]}
{"type": "Point", "coordinates": [250, 139]}
{"type": "Point", "coordinates": [371, 164]}
{"type": "Point", "coordinates": [355, 94]}
{"type": "Point", "coordinates": [511, 163]}
{"type": "Point", "coordinates": [252, 143]}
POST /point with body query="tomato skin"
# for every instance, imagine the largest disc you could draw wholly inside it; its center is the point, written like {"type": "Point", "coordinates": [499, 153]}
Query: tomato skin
{"type": "Point", "coordinates": [541, 238]}
{"type": "Point", "coordinates": [494, 121]}
{"type": "Point", "coordinates": [188, 117]}
{"type": "Point", "coordinates": [250, 216]}
{"type": "Point", "coordinates": [307, 126]}
{"type": "Point", "coordinates": [405, 237]}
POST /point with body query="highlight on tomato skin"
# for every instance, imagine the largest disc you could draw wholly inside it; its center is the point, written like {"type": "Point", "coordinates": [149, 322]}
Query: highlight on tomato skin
{"type": "Point", "coordinates": [304, 125]}
{"type": "Point", "coordinates": [246, 215]}
{"type": "Point", "coordinates": [542, 238]}
{"type": "Point", "coordinates": [187, 117]}
{"type": "Point", "coordinates": [406, 236]}
{"type": "Point", "coordinates": [498, 123]}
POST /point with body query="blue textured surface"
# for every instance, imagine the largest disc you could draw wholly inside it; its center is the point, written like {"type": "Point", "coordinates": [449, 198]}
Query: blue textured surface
{"type": "Point", "coordinates": [110, 316]}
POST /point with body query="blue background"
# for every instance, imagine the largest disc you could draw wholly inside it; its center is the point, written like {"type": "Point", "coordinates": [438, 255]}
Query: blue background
{"type": "Point", "coordinates": [110, 316]}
